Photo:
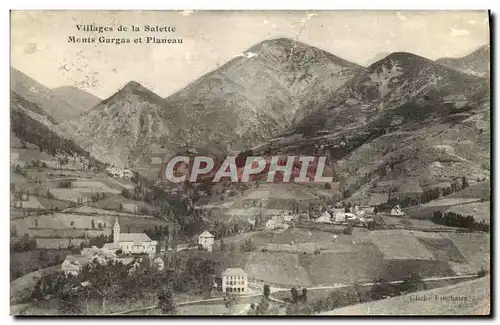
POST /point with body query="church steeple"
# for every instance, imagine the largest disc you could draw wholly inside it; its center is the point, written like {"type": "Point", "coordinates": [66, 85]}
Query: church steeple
{"type": "Point", "coordinates": [116, 231]}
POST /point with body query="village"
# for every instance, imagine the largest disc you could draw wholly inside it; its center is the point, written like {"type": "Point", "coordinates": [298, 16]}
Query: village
{"type": "Point", "coordinates": [240, 239]}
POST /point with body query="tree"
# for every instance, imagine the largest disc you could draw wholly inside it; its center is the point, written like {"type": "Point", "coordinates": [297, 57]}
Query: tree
{"type": "Point", "coordinates": [247, 246]}
{"type": "Point", "coordinates": [229, 301]}
{"type": "Point", "coordinates": [413, 283]}
{"type": "Point", "coordinates": [304, 295]}
{"type": "Point", "coordinates": [166, 300]}
{"type": "Point", "coordinates": [69, 303]}
{"type": "Point", "coordinates": [262, 308]}
{"type": "Point", "coordinates": [267, 290]}
{"type": "Point", "coordinates": [41, 256]}
{"type": "Point", "coordinates": [464, 182]}
{"type": "Point", "coordinates": [348, 229]}
{"type": "Point", "coordinates": [295, 294]}
{"type": "Point", "coordinates": [105, 279]}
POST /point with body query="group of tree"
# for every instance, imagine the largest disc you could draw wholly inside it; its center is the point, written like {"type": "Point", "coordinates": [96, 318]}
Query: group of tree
{"type": "Point", "coordinates": [427, 196]}
{"type": "Point", "coordinates": [65, 184]}
{"type": "Point", "coordinates": [381, 289]}
{"type": "Point", "coordinates": [97, 241]}
{"type": "Point", "coordinates": [37, 164]}
{"type": "Point", "coordinates": [25, 244]}
{"type": "Point", "coordinates": [113, 280]}
{"type": "Point", "coordinates": [158, 233]}
{"type": "Point", "coordinates": [247, 246]}
{"type": "Point", "coordinates": [453, 219]}
{"type": "Point", "coordinates": [98, 196]}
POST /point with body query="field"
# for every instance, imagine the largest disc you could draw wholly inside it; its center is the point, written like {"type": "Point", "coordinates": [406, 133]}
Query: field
{"type": "Point", "coordinates": [22, 287]}
{"type": "Point", "coordinates": [25, 262]}
{"type": "Point", "coordinates": [425, 211]}
{"type": "Point", "coordinates": [476, 292]}
{"type": "Point", "coordinates": [479, 210]}
{"type": "Point", "coordinates": [481, 190]}
{"type": "Point", "coordinates": [363, 256]}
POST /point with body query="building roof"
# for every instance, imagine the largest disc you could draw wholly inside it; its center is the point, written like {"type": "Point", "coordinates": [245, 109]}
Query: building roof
{"type": "Point", "coordinates": [234, 272]}
{"type": "Point", "coordinates": [131, 237]}
{"type": "Point", "coordinates": [206, 234]}
{"type": "Point", "coordinates": [111, 246]}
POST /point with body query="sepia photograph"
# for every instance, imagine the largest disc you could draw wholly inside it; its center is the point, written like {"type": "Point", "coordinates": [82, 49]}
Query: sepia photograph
{"type": "Point", "coordinates": [250, 163]}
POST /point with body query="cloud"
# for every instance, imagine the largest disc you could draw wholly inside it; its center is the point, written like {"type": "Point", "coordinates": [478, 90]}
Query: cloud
{"type": "Point", "coordinates": [459, 32]}
{"type": "Point", "coordinates": [30, 48]}
{"type": "Point", "coordinates": [400, 16]}
{"type": "Point", "coordinates": [472, 22]}
{"type": "Point", "coordinates": [187, 12]}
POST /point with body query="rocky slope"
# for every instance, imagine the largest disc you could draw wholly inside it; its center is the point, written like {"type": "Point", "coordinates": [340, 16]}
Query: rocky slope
{"type": "Point", "coordinates": [120, 129]}
{"type": "Point", "coordinates": [29, 123]}
{"type": "Point", "coordinates": [404, 125]}
{"type": "Point", "coordinates": [257, 95]}
{"type": "Point", "coordinates": [477, 63]}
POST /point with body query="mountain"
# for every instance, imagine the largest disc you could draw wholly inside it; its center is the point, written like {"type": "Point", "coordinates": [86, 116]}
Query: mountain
{"type": "Point", "coordinates": [404, 125]}
{"type": "Point", "coordinates": [57, 106]}
{"type": "Point", "coordinates": [29, 123]}
{"type": "Point", "coordinates": [122, 127]}
{"type": "Point", "coordinates": [80, 99]}
{"type": "Point", "coordinates": [477, 63]}
{"type": "Point", "coordinates": [377, 57]}
{"type": "Point", "coordinates": [256, 95]}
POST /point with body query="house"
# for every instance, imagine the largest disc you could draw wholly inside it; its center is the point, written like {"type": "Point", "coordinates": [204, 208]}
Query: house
{"type": "Point", "coordinates": [206, 240]}
{"type": "Point", "coordinates": [234, 280]}
{"type": "Point", "coordinates": [73, 265]}
{"type": "Point", "coordinates": [339, 217]}
{"type": "Point", "coordinates": [251, 222]}
{"type": "Point", "coordinates": [271, 224]}
{"type": "Point", "coordinates": [112, 247]}
{"type": "Point", "coordinates": [324, 218]}
{"type": "Point", "coordinates": [396, 211]}
{"type": "Point", "coordinates": [134, 243]}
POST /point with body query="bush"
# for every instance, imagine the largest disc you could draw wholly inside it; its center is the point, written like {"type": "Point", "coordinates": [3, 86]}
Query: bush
{"type": "Point", "coordinates": [65, 184]}
{"type": "Point", "coordinates": [482, 273]}
{"type": "Point", "coordinates": [247, 246]}
{"type": "Point", "coordinates": [348, 229]}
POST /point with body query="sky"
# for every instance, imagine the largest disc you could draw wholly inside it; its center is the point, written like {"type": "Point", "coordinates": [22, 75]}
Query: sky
{"type": "Point", "coordinates": [40, 48]}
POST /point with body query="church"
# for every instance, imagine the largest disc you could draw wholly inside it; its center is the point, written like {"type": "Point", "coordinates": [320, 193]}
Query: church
{"type": "Point", "coordinates": [133, 243]}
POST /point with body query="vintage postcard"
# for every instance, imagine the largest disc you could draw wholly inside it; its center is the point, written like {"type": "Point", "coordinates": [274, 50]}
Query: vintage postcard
{"type": "Point", "coordinates": [250, 163]}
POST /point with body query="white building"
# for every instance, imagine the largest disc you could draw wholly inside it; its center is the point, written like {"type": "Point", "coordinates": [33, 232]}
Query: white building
{"type": "Point", "coordinates": [339, 217]}
{"type": "Point", "coordinates": [324, 218]}
{"type": "Point", "coordinates": [134, 243]}
{"type": "Point", "coordinates": [234, 280]}
{"type": "Point", "coordinates": [206, 240]}
{"type": "Point", "coordinates": [73, 265]}
{"type": "Point", "coordinates": [396, 211]}
{"type": "Point", "coordinates": [271, 224]}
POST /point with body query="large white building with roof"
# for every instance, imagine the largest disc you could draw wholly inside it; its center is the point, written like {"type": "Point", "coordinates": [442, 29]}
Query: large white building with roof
{"type": "Point", "coordinates": [234, 280]}
{"type": "Point", "coordinates": [133, 243]}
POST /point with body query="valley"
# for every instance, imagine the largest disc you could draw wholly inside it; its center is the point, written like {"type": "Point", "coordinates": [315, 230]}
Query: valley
{"type": "Point", "coordinates": [408, 146]}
